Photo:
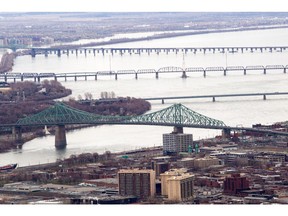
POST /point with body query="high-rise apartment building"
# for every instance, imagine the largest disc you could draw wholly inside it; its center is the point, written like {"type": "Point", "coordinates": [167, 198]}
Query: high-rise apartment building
{"type": "Point", "coordinates": [140, 183]}
{"type": "Point", "coordinates": [177, 185]}
{"type": "Point", "coordinates": [173, 143]}
{"type": "Point", "coordinates": [180, 188]}
{"type": "Point", "coordinates": [168, 174]}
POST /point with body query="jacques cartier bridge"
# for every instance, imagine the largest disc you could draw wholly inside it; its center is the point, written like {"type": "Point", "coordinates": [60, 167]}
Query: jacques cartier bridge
{"type": "Point", "coordinates": [177, 116]}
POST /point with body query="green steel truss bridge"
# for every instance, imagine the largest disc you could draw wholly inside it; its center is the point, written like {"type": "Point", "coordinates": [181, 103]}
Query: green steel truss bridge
{"type": "Point", "coordinates": [176, 115]}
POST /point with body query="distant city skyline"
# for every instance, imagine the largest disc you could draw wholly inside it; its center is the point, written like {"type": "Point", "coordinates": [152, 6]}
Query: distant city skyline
{"type": "Point", "coordinates": [141, 5]}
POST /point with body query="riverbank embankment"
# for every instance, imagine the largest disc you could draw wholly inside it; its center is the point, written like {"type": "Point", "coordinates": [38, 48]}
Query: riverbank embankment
{"type": "Point", "coordinates": [7, 62]}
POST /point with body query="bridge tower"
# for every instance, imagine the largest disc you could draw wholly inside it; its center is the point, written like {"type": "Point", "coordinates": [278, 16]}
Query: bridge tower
{"type": "Point", "coordinates": [17, 134]}
{"type": "Point", "coordinates": [226, 133]}
{"type": "Point", "coordinates": [60, 137]}
{"type": "Point", "coordinates": [178, 130]}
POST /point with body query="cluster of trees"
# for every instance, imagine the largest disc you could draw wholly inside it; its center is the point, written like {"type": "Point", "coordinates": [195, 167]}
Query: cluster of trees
{"type": "Point", "coordinates": [26, 98]}
{"type": "Point", "coordinates": [7, 62]}
{"type": "Point", "coordinates": [120, 106]}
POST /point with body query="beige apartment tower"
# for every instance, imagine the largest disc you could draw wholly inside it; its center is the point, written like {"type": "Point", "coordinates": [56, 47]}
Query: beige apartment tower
{"type": "Point", "coordinates": [177, 185]}
{"type": "Point", "coordinates": [140, 183]}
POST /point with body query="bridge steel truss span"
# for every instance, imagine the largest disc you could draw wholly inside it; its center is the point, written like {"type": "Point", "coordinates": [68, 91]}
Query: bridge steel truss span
{"type": "Point", "coordinates": [175, 115]}
{"type": "Point", "coordinates": [37, 77]}
{"type": "Point", "coordinates": [179, 116]}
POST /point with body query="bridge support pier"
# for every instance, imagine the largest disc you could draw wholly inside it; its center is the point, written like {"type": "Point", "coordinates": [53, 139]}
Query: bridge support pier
{"type": "Point", "coordinates": [33, 53]}
{"type": "Point", "coordinates": [226, 133]}
{"type": "Point", "coordinates": [60, 137]}
{"type": "Point", "coordinates": [162, 101]}
{"type": "Point", "coordinates": [157, 76]}
{"type": "Point", "coordinates": [264, 97]}
{"type": "Point", "coordinates": [17, 134]}
{"type": "Point", "coordinates": [184, 75]}
{"type": "Point", "coordinates": [59, 53]}
{"type": "Point", "coordinates": [177, 130]}
{"type": "Point", "coordinates": [213, 99]}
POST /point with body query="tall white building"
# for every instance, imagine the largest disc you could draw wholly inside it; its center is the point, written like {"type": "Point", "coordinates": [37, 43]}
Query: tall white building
{"type": "Point", "coordinates": [173, 143]}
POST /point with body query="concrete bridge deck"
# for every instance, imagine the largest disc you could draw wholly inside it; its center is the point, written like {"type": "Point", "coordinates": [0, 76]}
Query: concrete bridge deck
{"type": "Point", "coordinates": [124, 50]}
{"type": "Point", "coordinates": [213, 97]}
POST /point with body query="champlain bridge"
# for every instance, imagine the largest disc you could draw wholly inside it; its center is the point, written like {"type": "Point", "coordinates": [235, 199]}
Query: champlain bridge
{"type": "Point", "coordinates": [177, 116]}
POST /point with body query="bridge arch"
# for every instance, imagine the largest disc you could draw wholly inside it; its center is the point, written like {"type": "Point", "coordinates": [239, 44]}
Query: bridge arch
{"type": "Point", "coordinates": [170, 69]}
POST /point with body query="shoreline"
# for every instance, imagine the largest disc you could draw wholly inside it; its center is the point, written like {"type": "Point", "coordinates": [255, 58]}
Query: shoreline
{"type": "Point", "coordinates": [166, 35]}
{"type": "Point", "coordinates": [7, 60]}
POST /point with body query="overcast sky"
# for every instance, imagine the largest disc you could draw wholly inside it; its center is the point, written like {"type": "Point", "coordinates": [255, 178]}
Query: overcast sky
{"type": "Point", "coordinates": [142, 5]}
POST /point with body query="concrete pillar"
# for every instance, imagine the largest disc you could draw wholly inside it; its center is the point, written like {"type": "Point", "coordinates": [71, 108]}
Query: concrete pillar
{"type": "Point", "coordinates": [60, 137]}
{"type": "Point", "coordinates": [244, 71]}
{"type": "Point", "coordinates": [225, 70]}
{"type": "Point", "coordinates": [184, 74]}
{"type": "Point", "coordinates": [284, 70]}
{"type": "Point", "coordinates": [178, 129]}
{"type": "Point", "coordinates": [157, 76]}
{"type": "Point", "coordinates": [136, 76]}
{"type": "Point", "coordinates": [33, 53]}
{"type": "Point", "coordinates": [204, 74]}
{"type": "Point", "coordinates": [163, 101]}
{"type": "Point", "coordinates": [59, 53]}
{"type": "Point", "coordinates": [226, 133]}
{"type": "Point", "coordinates": [264, 70]}
{"type": "Point", "coordinates": [17, 134]}
{"type": "Point", "coordinates": [213, 99]}
{"type": "Point", "coordinates": [116, 77]}
{"type": "Point", "coordinates": [264, 97]}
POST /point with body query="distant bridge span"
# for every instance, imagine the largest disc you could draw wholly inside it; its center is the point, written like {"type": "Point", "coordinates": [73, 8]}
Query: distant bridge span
{"type": "Point", "coordinates": [184, 72]}
{"type": "Point", "coordinates": [125, 50]}
{"type": "Point", "coordinates": [214, 96]}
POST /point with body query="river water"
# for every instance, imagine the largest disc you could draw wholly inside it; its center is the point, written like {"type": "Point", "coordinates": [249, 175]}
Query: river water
{"type": "Point", "coordinates": [233, 111]}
